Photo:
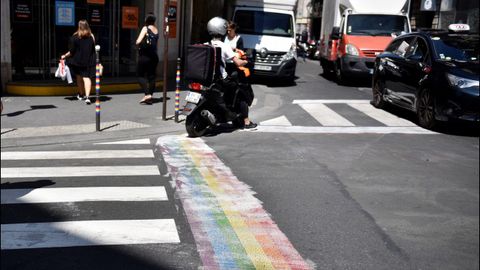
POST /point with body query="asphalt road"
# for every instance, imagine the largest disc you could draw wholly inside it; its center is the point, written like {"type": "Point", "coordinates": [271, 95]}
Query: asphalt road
{"type": "Point", "coordinates": [345, 199]}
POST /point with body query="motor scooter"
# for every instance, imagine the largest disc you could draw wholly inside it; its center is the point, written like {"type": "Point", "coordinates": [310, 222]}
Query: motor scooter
{"type": "Point", "coordinates": [219, 103]}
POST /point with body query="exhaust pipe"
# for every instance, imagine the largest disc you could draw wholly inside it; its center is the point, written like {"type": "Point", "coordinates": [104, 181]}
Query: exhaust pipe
{"type": "Point", "coordinates": [209, 116]}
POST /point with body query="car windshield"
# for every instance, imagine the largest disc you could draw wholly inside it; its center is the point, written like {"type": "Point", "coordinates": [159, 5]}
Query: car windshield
{"type": "Point", "coordinates": [264, 23]}
{"type": "Point", "coordinates": [376, 25]}
{"type": "Point", "coordinates": [456, 47]}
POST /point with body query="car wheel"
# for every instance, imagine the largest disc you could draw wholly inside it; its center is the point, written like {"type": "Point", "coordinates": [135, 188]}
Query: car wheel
{"type": "Point", "coordinates": [378, 90]}
{"type": "Point", "coordinates": [426, 109]}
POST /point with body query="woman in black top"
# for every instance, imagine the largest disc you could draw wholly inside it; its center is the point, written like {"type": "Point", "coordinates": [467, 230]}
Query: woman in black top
{"type": "Point", "coordinates": [82, 59]}
{"type": "Point", "coordinates": [147, 58]}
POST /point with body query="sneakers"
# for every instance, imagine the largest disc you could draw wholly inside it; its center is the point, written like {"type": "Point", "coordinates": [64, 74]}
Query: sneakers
{"type": "Point", "coordinates": [87, 101]}
{"type": "Point", "coordinates": [80, 97]}
{"type": "Point", "coordinates": [250, 125]}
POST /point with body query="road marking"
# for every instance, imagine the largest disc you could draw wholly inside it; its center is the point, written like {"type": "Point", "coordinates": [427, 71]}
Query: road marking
{"type": "Point", "coordinates": [83, 154]}
{"type": "Point", "coordinates": [88, 233]}
{"type": "Point", "coordinates": [279, 121]}
{"type": "Point", "coordinates": [83, 194]}
{"type": "Point", "coordinates": [78, 171]}
{"type": "Point", "coordinates": [139, 141]}
{"type": "Point", "coordinates": [229, 225]}
{"type": "Point", "coordinates": [326, 116]}
{"type": "Point", "coordinates": [69, 129]}
{"type": "Point", "coordinates": [330, 101]}
{"type": "Point", "coordinates": [343, 130]}
{"type": "Point", "coordinates": [382, 116]}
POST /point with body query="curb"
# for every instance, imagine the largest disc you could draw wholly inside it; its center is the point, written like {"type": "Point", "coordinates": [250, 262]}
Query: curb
{"type": "Point", "coordinates": [22, 89]}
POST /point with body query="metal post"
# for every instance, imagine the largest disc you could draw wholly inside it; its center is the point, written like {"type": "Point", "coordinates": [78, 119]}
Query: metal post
{"type": "Point", "coordinates": [97, 87]}
{"type": "Point", "coordinates": [165, 58]}
{"type": "Point", "coordinates": [177, 91]}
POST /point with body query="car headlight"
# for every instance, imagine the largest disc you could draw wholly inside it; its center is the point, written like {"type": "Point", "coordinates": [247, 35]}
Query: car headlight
{"type": "Point", "coordinates": [292, 53]}
{"type": "Point", "coordinates": [351, 50]}
{"type": "Point", "coordinates": [461, 82]}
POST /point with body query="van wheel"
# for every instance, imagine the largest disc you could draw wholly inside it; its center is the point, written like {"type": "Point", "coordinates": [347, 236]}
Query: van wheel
{"type": "Point", "coordinates": [426, 109]}
{"type": "Point", "coordinates": [339, 74]}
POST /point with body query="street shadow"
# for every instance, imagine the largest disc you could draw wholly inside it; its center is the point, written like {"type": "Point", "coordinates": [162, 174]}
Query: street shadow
{"type": "Point", "coordinates": [273, 83]}
{"type": "Point", "coordinates": [452, 127]}
{"type": "Point", "coordinates": [32, 108]}
{"type": "Point", "coordinates": [27, 184]}
{"type": "Point", "coordinates": [158, 100]}
{"type": "Point", "coordinates": [92, 98]}
{"type": "Point", "coordinates": [361, 81]}
{"type": "Point", "coordinates": [220, 129]}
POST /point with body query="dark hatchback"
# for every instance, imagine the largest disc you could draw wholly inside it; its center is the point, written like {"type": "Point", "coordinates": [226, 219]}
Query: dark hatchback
{"type": "Point", "coordinates": [435, 74]}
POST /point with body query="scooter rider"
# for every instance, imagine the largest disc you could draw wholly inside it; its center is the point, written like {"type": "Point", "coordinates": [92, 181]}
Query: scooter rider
{"type": "Point", "coordinates": [217, 29]}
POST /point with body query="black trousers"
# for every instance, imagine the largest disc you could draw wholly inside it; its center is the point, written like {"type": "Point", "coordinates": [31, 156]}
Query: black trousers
{"type": "Point", "coordinates": [147, 66]}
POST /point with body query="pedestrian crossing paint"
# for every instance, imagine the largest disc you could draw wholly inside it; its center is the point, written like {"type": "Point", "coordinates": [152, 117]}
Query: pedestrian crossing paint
{"type": "Point", "coordinates": [381, 115]}
{"type": "Point", "coordinates": [343, 130]}
{"type": "Point", "coordinates": [83, 232]}
{"type": "Point", "coordinates": [230, 226]}
{"type": "Point", "coordinates": [332, 122]}
{"type": "Point", "coordinates": [83, 194]}
{"type": "Point", "coordinates": [325, 115]}
{"type": "Point", "coordinates": [79, 171]}
{"type": "Point", "coordinates": [137, 141]}
{"type": "Point", "coordinates": [83, 154]}
{"type": "Point", "coordinates": [279, 121]}
{"type": "Point", "coordinates": [88, 233]}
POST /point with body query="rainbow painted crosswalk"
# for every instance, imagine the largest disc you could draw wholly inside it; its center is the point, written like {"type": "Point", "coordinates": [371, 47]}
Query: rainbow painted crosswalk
{"type": "Point", "coordinates": [230, 226]}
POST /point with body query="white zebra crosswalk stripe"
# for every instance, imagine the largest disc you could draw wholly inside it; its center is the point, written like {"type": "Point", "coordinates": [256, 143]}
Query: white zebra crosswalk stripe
{"type": "Point", "coordinates": [83, 154]}
{"type": "Point", "coordinates": [83, 194]}
{"type": "Point", "coordinates": [79, 171]}
{"type": "Point", "coordinates": [137, 141]}
{"type": "Point", "coordinates": [381, 115]}
{"type": "Point", "coordinates": [88, 233]}
{"type": "Point", "coordinates": [279, 121]}
{"type": "Point", "coordinates": [325, 115]}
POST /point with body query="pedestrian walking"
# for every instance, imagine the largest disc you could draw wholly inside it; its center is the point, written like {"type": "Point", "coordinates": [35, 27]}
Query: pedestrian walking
{"type": "Point", "coordinates": [147, 57]}
{"type": "Point", "coordinates": [81, 59]}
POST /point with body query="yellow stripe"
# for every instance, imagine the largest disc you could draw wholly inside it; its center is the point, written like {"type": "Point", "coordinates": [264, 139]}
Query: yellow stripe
{"type": "Point", "coordinates": [253, 249]}
{"type": "Point", "coordinates": [53, 90]}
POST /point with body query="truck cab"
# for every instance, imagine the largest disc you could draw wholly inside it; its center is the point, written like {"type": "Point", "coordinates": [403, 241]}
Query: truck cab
{"type": "Point", "coordinates": [268, 30]}
{"type": "Point", "coordinates": [362, 32]}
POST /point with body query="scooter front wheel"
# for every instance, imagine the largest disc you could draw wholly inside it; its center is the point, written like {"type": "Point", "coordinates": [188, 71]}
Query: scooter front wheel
{"type": "Point", "coordinates": [196, 125]}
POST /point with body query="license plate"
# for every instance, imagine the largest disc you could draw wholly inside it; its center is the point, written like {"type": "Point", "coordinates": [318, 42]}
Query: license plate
{"type": "Point", "coordinates": [259, 67]}
{"type": "Point", "coordinates": [193, 97]}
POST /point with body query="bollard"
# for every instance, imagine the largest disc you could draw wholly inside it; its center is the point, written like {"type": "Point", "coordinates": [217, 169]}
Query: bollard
{"type": "Point", "coordinates": [97, 88]}
{"type": "Point", "coordinates": [177, 91]}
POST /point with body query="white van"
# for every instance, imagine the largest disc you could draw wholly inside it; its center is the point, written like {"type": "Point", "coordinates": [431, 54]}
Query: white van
{"type": "Point", "coordinates": [268, 28]}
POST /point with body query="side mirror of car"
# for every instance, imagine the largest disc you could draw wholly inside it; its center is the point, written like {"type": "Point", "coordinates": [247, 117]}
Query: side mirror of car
{"type": "Point", "coordinates": [335, 35]}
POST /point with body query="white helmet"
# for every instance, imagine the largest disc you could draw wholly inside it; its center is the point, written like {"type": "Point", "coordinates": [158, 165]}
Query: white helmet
{"type": "Point", "coordinates": [217, 26]}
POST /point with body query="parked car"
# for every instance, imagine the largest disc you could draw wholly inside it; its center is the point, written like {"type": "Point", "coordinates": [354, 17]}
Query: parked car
{"type": "Point", "coordinates": [433, 73]}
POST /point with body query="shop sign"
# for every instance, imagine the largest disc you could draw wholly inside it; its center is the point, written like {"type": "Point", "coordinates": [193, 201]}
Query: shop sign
{"type": "Point", "coordinates": [65, 13]}
{"type": "Point", "coordinates": [172, 20]}
{"type": "Point", "coordinates": [130, 17]}
{"type": "Point", "coordinates": [428, 5]}
{"type": "Point", "coordinates": [95, 15]}
{"type": "Point", "coordinates": [22, 11]}
{"type": "Point", "coordinates": [98, 2]}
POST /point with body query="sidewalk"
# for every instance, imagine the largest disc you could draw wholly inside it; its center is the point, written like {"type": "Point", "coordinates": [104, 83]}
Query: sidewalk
{"type": "Point", "coordinates": [34, 120]}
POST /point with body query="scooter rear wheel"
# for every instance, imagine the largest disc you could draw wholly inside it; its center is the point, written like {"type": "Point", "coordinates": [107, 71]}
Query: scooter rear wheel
{"type": "Point", "coordinates": [196, 125]}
